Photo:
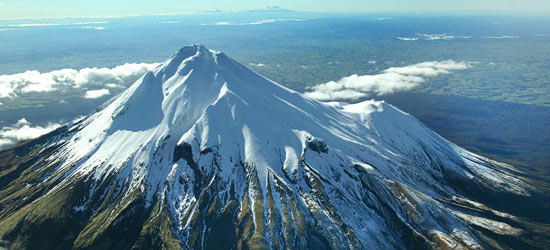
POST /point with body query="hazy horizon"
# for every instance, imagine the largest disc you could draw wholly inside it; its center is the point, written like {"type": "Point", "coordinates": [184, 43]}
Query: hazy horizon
{"type": "Point", "coordinates": [19, 10]}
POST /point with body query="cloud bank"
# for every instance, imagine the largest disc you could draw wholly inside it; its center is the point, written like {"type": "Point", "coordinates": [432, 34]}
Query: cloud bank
{"type": "Point", "coordinates": [433, 37]}
{"type": "Point", "coordinates": [443, 36]}
{"type": "Point", "coordinates": [35, 81]}
{"type": "Point", "coordinates": [22, 130]}
{"type": "Point", "coordinates": [256, 22]}
{"type": "Point", "coordinates": [52, 24]}
{"type": "Point", "coordinates": [391, 80]}
{"type": "Point", "coordinates": [501, 37]}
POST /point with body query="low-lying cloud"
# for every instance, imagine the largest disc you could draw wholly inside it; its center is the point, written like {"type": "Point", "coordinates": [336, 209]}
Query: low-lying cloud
{"type": "Point", "coordinates": [93, 27]}
{"type": "Point", "coordinates": [95, 78]}
{"type": "Point", "coordinates": [52, 24]}
{"type": "Point", "coordinates": [501, 37]}
{"type": "Point", "coordinates": [394, 79]}
{"type": "Point", "coordinates": [443, 36]}
{"type": "Point", "coordinates": [256, 22]}
{"type": "Point", "coordinates": [94, 94]}
{"type": "Point", "coordinates": [257, 64]}
{"type": "Point", "coordinates": [22, 130]}
{"type": "Point", "coordinates": [408, 38]}
{"type": "Point", "coordinates": [433, 37]}
{"type": "Point", "coordinates": [169, 22]}
{"type": "Point", "coordinates": [33, 25]}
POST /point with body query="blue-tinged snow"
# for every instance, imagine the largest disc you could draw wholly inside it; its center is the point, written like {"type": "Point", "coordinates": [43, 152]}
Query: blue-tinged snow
{"type": "Point", "coordinates": [205, 99]}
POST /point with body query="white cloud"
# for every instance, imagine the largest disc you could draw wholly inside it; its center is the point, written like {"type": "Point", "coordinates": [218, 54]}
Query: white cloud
{"type": "Point", "coordinates": [257, 64]}
{"type": "Point", "coordinates": [5, 143]}
{"type": "Point", "coordinates": [408, 38]}
{"type": "Point", "coordinates": [384, 18]}
{"type": "Point", "coordinates": [391, 80]}
{"type": "Point", "coordinates": [6, 90]}
{"type": "Point", "coordinates": [263, 21]}
{"type": "Point", "coordinates": [428, 69]}
{"type": "Point", "coordinates": [22, 130]}
{"type": "Point", "coordinates": [53, 24]}
{"type": "Point", "coordinates": [501, 37]}
{"type": "Point", "coordinates": [35, 81]}
{"type": "Point", "coordinates": [256, 22]}
{"type": "Point", "coordinates": [93, 94]}
{"type": "Point", "coordinates": [92, 22]}
{"type": "Point", "coordinates": [33, 25]}
{"type": "Point", "coordinates": [93, 27]}
{"type": "Point", "coordinates": [113, 86]}
{"type": "Point", "coordinates": [437, 36]}
{"type": "Point", "coordinates": [269, 21]}
{"type": "Point", "coordinates": [432, 37]}
{"type": "Point", "coordinates": [222, 23]}
{"type": "Point", "coordinates": [443, 36]}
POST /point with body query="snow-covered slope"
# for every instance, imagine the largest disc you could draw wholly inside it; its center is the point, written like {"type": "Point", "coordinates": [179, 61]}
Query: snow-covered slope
{"type": "Point", "coordinates": [202, 152]}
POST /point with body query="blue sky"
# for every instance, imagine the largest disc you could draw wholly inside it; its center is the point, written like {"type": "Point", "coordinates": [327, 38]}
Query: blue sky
{"type": "Point", "coordinates": [23, 9]}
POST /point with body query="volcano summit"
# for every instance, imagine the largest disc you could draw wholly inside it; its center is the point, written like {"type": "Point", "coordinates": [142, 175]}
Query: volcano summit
{"type": "Point", "coordinates": [203, 153]}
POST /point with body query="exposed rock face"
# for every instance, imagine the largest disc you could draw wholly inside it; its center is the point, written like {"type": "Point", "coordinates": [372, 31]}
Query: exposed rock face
{"type": "Point", "coordinates": [202, 153]}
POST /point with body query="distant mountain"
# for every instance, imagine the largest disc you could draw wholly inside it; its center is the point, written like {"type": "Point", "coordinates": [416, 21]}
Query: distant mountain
{"type": "Point", "coordinates": [272, 8]}
{"type": "Point", "coordinates": [203, 153]}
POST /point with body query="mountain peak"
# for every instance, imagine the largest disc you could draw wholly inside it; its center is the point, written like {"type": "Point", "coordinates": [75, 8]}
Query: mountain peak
{"type": "Point", "coordinates": [216, 154]}
{"type": "Point", "coordinates": [188, 50]}
{"type": "Point", "coordinates": [192, 52]}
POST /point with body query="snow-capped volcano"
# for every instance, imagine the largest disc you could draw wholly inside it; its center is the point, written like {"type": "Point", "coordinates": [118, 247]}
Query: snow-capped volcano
{"type": "Point", "coordinates": [203, 153]}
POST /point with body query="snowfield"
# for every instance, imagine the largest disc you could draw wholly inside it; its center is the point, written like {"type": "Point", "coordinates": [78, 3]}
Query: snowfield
{"type": "Point", "coordinates": [202, 132]}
